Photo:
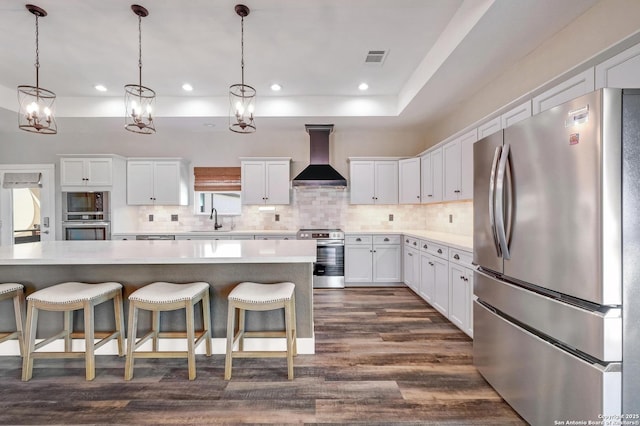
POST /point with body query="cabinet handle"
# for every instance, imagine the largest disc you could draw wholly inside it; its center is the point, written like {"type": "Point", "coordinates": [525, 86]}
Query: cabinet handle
{"type": "Point", "coordinates": [358, 239]}
{"type": "Point", "coordinates": [440, 251]}
{"type": "Point", "coordinates": [424, 246]}
{"type": "Point", "coordinates": [456, 257]}
{"type": "Point", "coordinates": [462, 277]}
{"type": "Point", "coordinates": [286, 238]}
{"type": "Point", "coordinates": [457, 191]}
{"type": "Point", "coordinates": [429, 195]}
{"type": "Point", "coordinates": [386, 239]}
{"type": "Point", "coordinates": [375, 251]}
{"type": "Point", "coordinates": [406, 241]}
{"type": "Point", "coordinates": [431, 263]}
{"type": "Point", "coordinates": [410, 254]}
{"type": "Point", "coordinates": [418, 197]}
{"type": "Point", "coordinates": [415, 243]}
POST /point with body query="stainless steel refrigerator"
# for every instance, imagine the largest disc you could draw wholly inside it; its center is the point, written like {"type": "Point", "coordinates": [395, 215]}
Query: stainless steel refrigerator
{"type": "Point", "coordinates": [557, 244]}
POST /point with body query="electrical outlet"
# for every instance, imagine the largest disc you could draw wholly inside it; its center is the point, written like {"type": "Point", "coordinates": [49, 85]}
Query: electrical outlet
{"type": "Point", "coordinates": [450, 218]}
{"type": "Point", "coordinates": [391, 218]}
{"type": "Point", "coordinates": [150, 218]}
{"type": "Point", "coordinates": [277, 217]}
{"type": "Point", "coordinates": [174, 218]}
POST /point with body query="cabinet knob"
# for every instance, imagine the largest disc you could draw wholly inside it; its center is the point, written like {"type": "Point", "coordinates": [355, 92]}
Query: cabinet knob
{"type": "Point", "coordinates": [456, 257]}
{"type": "Point", "coordinates": [406, 241]}
{"type": "Point", "coordinates": [462, 277]}
{"type": "Point", "coordinates": [418, 197]}
{"type": "Point", "coordinates": [415, 243]}
{"type": "Point", "coordinates": [440, 251]}
{"type": "Point", "coordinates": [431, 263]}
{"type": "Point", "coordinates": [425, 246]}
{"type": "Point", "coordinates": [410, 254]}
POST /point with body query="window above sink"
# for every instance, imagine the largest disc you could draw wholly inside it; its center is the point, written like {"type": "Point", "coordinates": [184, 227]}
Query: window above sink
{"type": "Point", "coordinates": [227, 203]}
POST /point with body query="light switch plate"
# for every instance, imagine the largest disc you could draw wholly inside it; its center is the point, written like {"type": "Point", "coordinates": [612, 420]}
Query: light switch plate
{"type": "Point", "coordinates": [150, 218]}
{"type": "Point", "coordinates": [390, 218]}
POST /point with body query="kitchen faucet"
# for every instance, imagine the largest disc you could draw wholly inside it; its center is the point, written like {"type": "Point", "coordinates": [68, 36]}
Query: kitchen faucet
{"type": "Point", "coordinates": [216, 226]}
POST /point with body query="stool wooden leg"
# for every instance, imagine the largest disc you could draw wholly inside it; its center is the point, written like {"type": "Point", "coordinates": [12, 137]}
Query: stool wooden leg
{"type": "Point", "coordinates": [191, 336]}
{"type": "Point", "coordinates": [18, 302]}
{"type": "Point", "coordinates": [206, 319]}
{"type": "Point", "coordinates": [289, 332]}
{"type": "Point", "coordinates": [230, 332]}
{"type": "Point", "coordinates": [155, 315]}
{"type": "Point", "coordinates": [131, 340]}
{"type": "Point", "coordinates": [89, 328]}
{"type": "Point", "coordinates": [294, 325]}
{"type": "Point", "coordinates": [68, 329]}
{"type": "Point", "coordinates": [30, 342]}
{"type": "Point", "coordinates": [119, 317]}
{"type": "Point", "coordinates": [241, 319]}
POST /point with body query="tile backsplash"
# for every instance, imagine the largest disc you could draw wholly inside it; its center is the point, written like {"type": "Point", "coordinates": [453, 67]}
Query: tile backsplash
{"type": "Point", "coordinates": [317, 208]}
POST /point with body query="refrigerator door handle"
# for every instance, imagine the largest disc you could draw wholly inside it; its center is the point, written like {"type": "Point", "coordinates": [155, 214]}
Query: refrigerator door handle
{"type": "Point", "coordinates": [492, 198]}
{"type": "Point", "coordinates": [499, 213]}
{"type": "Point", "coordinates": [509, 202]}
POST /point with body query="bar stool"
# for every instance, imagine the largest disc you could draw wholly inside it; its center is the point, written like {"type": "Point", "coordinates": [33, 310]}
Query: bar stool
{"type": "Point", "coordinates": [248, 296]}
{"type": "Point", "coordinates": [14, 291]}
{"type": "Point", "coordinates": [159, 297]}
{"type": "Point", "coordinates": [67, 298]}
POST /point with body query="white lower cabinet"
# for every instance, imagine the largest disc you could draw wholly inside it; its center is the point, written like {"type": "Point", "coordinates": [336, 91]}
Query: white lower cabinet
{"type": "Point", "coordinates": [434, 281]}
{"type": "Point", "coordinates": [372, 259]}
{"type": "Point", "coordinates": [411, 263]}
{"type": "Point", "coordinates": [461, 290]}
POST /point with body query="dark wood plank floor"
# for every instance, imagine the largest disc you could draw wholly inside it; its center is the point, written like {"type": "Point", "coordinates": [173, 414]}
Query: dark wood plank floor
{"type": "Point", "coordinates": [383, 357]}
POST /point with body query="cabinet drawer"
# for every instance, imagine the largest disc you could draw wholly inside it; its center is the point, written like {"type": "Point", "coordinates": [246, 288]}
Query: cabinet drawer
{"type": "Point", "coordinates": [358, 239]}
{"type": "Point", "coordinates": [461, 257]}
{"type": "Point", "coordinates": [387, 239]}
{"type": "Point", "coordinates": [410, 242]}
{"type": "Point", "coordinates": [434, 249]}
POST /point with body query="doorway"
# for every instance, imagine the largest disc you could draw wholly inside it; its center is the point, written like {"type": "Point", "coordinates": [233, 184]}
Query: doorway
{"type": "Point", "coordinates": [27, 210]}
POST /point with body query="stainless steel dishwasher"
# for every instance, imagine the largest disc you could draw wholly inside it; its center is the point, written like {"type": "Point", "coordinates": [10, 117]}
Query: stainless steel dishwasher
{"type": "Point", "coordinates": [156, 237]}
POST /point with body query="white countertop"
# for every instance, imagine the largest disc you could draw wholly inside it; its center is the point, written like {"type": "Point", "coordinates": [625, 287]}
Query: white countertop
{"type": "Point", "coordinates": [212, 232]}
{"type": "Point", "coordinates": [158, 252]}
{"type": "Point", "coordinates": [461, 242]}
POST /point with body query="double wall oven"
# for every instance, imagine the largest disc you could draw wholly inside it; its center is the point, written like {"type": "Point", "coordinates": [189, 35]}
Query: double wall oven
{"type": "Point", "coordinates": [328, 270]}
{"type": "Point", "coordinates": [86, 216]}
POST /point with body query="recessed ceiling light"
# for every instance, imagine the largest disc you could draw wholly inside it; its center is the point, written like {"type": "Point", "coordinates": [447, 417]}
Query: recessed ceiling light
{"type": "Point", "coordinates": [276, 87]}
{"type": "Point", "coordinates": [363, 86]}
{"type": "Point", "coordinates": [187, 87]}
{"type": "Point", "coordinates": [100, 88]}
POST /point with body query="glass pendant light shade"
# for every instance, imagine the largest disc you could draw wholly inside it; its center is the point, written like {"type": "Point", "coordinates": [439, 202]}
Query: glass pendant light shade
{"type": "Point", "coordinates": [139, 104]}
{"type": "Point", "coordinates": [36, 104]}
{"type": "Point", "coordinates": [242, 97]}
{"type": "Point", "coordinates": [139, 101]}
{"type": "Point", "coordinates": [242, 100]}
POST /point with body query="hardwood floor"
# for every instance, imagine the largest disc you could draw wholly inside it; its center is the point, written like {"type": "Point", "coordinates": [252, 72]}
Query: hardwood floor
{"type": "Point", "coordinates": [383, 357]}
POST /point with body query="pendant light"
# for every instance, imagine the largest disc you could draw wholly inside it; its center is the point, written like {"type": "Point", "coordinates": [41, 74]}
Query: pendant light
{"type": "Point", "coordinates": [241, 96]}
{"type": "Point", "coordinates": [36, 104]}
{"type": "Point", "coordinates": [138, 99]}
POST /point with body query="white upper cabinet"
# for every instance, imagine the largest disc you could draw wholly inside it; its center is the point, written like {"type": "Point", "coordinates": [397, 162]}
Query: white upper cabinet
{"type": "Point", "coordinates": [265, 181]}
{"type": "Point", "coordinates": [489, 127]}
{"type": "Point", "coordinates": [373, 181]}
{"type": "Point", "coordinates": [409, 177]}
{"type": "Point", "coordinates": [569, 89]}
{"type": "Point", "coordinates": [159, 182]}
{"type": "Point", "coordinates": [432, 169]}
{"type": "Point", "coordinates": [622, 71]}
{"type": "Point", "coordinates": [77, 171]}
{"type": "Point", "coordinates": [458, 167]}
{"type": "Point", "coordinates": [516, 114]}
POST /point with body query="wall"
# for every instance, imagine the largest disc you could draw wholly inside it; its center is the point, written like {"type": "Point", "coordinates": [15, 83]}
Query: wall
{"type": "Point", "coordinates": [606, 24]}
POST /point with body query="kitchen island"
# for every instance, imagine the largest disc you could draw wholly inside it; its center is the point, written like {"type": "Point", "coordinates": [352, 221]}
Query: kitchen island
{"type": "Point", "coordinates": [221, 263]}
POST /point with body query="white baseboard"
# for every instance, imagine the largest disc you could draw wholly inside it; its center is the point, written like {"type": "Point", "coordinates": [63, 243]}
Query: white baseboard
{"type": "Point", "coordinates": [306, 345]}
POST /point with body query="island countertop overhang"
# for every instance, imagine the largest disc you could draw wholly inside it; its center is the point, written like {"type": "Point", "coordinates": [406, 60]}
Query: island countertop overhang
{"type": "Point", "coordinates": [159, 252]}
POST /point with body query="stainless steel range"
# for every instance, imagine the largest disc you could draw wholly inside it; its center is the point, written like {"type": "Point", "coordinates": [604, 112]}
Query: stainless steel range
{"type": "Point", "coordinates": [328, 270]}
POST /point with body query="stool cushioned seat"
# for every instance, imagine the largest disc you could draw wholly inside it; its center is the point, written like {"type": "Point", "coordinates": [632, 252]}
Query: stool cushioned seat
{"type": "Point", "coordinates": [248, 292]}
{"type": "Point", "coordinates": [161, 297]}
{"type": "Point", "coordinates": [66, 298]}
{"type": "Point", "coordinates": [14, 291]}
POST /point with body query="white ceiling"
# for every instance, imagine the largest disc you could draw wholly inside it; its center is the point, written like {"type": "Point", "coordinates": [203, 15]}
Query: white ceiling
{"type": "Point", "coordinates": [439, 51]}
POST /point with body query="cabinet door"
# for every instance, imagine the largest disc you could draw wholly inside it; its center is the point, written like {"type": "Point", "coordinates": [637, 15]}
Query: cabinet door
{"type": "Point", "coordinates": [72, 171]}
{"type": "Point", "coordinates": [386, 182]}
{"type": "Point", "coordinates": [409, 180]}
{"type": "Point", "coordinates": [99, 171]}
{"type": "Point", "coordinates": [441, 279]}
{"type": "Point", "coordinates": [387, 260]}
{"type": "Point", "coordinates": [469, 329]}
{"type": "Point", "coordinates": [437, 175]}
{"type": "Point", "coordinates": [166, 179]}
{"type": "Point", "coordinates": [572, 88]}
{"type": "Point", "coordinates": [489, 127]}
{"type": "Point", "coordinates": [358, 264]}
{"type": "Point", "coordinates": [622, 71]}
{"type": "Point", "coordinates": [458, 296]}
{"type": "Point", "coordinates": [253, 185]}
{"type": "Point", "coordinates": [277, 182]}
{"type": "Point", "coordinates": [139, 182]}
{"type": "Point", "coordinates": [426, 180]}
{"type": "Point", "coordinates": [518, 113]}
{"type": "Point", "coordinates": [451, 153]}
{"type": "Point", "coordinates": [427, 278]}
{"type": "Point", "coordinates": [362, 183]}
{"type": "Point", "coordinates": [407, 267]}
{"type": "Point", "coordinates": [466, 165]}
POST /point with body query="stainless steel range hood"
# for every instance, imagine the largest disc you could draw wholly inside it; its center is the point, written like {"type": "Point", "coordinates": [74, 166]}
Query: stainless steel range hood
{"type": "Point", "coordinates": [319, 172]}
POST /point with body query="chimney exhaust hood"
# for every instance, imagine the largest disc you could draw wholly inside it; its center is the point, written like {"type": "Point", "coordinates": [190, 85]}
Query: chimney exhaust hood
{"type": "Point", "coordinates": [319, 172]}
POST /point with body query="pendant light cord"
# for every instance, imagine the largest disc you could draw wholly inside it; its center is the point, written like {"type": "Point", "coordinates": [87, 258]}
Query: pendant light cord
{"type": "Point", "coordinates": [37, 64]}
{"type": "Point", "coordinates": [242, 50]}
{"type": "Point", "coordinates": [140, 51]}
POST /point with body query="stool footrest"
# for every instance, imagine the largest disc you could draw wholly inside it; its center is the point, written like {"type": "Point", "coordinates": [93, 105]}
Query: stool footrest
{"type": "Point", "coordinates": [265, 334]}
{"type": "Point", "coordinates": [162, 354]}
{"type": "Point", "coordinates": [49, 355]}
{"type": "Point", "coordinates": [259, 354]}
{"type": "Point", "coordinates": [8, 336]}
{"type": "Point", "coordinates": [49, 340]}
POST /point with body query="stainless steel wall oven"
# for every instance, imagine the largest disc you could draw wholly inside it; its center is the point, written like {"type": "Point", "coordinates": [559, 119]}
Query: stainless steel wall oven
{"type": "Point", "coordinates": [328, 270]}
{"type": "Point", "coordinates": [86, 216]}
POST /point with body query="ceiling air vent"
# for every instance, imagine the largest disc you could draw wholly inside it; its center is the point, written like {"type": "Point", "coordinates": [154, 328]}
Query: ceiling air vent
{"type": "Point", "coordinates": [376, 57]}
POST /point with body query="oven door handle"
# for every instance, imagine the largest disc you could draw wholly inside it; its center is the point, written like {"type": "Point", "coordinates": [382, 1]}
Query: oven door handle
{"type": "Point", "coordinates": [329, 243]}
